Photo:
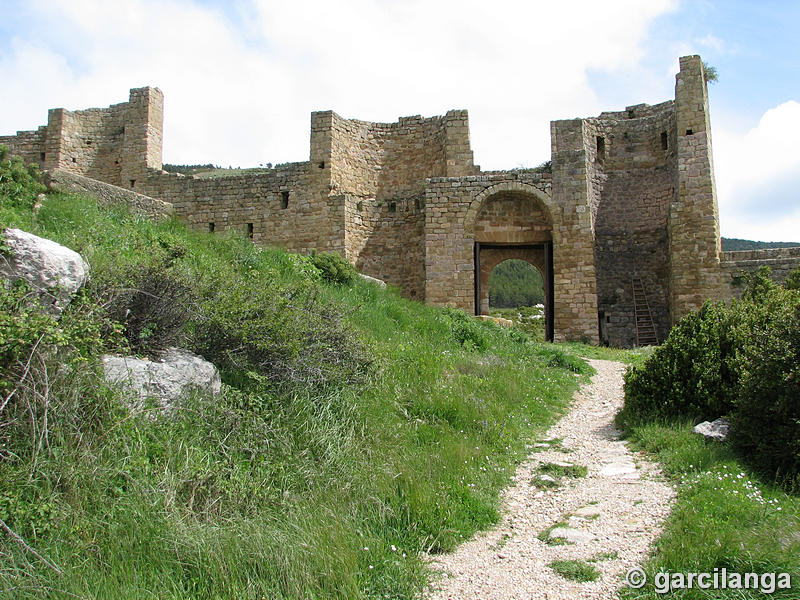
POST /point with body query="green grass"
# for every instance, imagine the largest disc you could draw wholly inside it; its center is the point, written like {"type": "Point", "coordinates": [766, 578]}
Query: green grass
{"type": "Point", "coordinates": [632, 357]}
{"type": "Point", "coordinates": [270, 491]}
{"type": "Point", "coordinates": [555, 470]}
{"type": "Point", "coordinates": [575, 570]}
{"type": "Point", "coordinates": [724, 516]}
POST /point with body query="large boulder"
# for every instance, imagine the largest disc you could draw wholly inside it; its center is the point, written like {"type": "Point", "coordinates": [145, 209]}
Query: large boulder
{"type": "Point", "coordinates": [176, 374]}
{"type": "Point", "coordinates": [53, 270]}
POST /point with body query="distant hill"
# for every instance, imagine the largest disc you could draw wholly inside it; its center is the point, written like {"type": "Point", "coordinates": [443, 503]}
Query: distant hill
{"type": "Point", "coordinates": [733, 244]}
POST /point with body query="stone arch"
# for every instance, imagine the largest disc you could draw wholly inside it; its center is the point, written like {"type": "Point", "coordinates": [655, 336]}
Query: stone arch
{"type": "Point", "coordinates": [509, 187]}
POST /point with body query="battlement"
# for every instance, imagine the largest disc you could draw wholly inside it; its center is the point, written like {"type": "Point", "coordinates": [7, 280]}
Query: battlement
{"type": "Point", "coordinates": [627, 215]}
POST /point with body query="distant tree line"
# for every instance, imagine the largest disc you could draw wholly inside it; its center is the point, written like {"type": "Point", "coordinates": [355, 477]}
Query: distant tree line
{"type": "Point", "coordinates": [515, 283]}
{"type": "Point", "coordinates": [733, 244]}
{"type": "Point", "coordinates": [188, 169]}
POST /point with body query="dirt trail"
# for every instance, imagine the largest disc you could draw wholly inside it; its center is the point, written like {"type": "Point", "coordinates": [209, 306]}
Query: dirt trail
{"type": "Point", "coordinates": [607, 518]}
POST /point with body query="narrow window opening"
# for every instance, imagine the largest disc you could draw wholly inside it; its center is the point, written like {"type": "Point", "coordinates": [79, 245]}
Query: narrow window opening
{"type": "Point", "coordinates": [88, 142]}
{"type": "Point", "coordinates": [41, 156]}
{"type": "Point", "coordinates": [360, 206]}
{"type": "Point", "coordinates": [689, 132]}
{"type": "Point", "coordinates": [664, 140]}
{"type": "Point", "coordinates": [322, 164]}
{"type": "Point", "coordinates": [413, 293]}
{"type": "Point", "coordinates": [74, 159]}
{"type": "Point", "coordinates": [418, 204]}
{"type": "Point", "coordinates": [601, 147]}
{"type": "Point", "coordinates": [392, 207]}
{"type": "Point", "coordinates": [285, 199]}
{"type": "Point", "coordinates": [250, 230]}
{"type": "Point", "coordinates": [133, 182]}
{"type": "Point", "coordinates": [211, 227]}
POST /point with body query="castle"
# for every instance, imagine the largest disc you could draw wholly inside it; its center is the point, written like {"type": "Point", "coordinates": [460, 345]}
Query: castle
{"type": "Point", "coordinates": [624, 227]}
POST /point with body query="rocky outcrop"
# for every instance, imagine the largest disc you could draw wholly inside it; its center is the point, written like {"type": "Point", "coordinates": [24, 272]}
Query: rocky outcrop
{"type": "Point", "coordinates": [168, 380]}
{"type": "Point", "coordinates": [54, 271]}
{"type": "Point", "coordinates": [713, 430]}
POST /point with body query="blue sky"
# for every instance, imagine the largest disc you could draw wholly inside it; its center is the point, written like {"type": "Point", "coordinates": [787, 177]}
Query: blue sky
{"type": "Point", "coordinates": [240, 78]}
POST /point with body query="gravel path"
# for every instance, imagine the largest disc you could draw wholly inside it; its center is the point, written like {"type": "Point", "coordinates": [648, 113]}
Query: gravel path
{"type": "Point", "coordinates": [609, 517]}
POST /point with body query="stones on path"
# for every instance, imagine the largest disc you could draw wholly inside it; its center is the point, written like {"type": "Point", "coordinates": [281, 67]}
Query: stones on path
{"type": "Point", "coordinates": [613, 514]}
{"type": "Point", "coordinates": [569, 535]}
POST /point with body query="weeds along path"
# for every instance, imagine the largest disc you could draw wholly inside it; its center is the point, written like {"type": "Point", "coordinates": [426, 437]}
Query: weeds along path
{"type": "Point", "coordinates": [582, 506]}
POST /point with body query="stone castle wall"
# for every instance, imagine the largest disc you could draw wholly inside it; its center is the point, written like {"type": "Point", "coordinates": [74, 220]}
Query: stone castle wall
{"type": "Point", "coordinates": [631, 195]}
{"type": "Point", "coordinates": [632, 170]}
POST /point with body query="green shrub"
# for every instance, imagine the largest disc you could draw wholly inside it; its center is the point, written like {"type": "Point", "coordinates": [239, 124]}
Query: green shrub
{"type": "Point", "coordinates": [466, 330]}
{"type": "Point", "coordinates": [284, 333]}
{"type": "Point", "coordinates": [334, 268]}
{"type": "Point", "coordinates": [765, 424]}
{"type": "Point", "coordinates": [691, 375]}
{"type": "Point", "coordinates": [153, 303]}
{"type": "Point", "coordinates": [793, 280]}
{"type": "Point", "coordinates": [19, 184]}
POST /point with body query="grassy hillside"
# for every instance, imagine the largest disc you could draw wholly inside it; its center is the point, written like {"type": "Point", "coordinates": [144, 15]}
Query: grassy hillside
{"type": "Point", "coordinates": [355, 431]}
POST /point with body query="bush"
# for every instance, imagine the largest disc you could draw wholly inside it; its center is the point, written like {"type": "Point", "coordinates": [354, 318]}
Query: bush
{"type": "Point", "coordinates": [284, 333]}
{"type": "Point", "coordinates": [19, 184]}
{"type": "Point", "coordinates": [466, 330]}
{"type": "Point", "coordinates": [334, 268]}
{"type": "Point", "coordinates": [765, 424]}
{"type": "Point", "coordinates": [153, 305]}
{"type": "Point", "coordinates": [691, 375]}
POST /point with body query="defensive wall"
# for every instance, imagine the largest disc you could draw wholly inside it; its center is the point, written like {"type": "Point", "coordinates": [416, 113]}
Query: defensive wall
{"type": "Point", "coordinates": [624, 226]}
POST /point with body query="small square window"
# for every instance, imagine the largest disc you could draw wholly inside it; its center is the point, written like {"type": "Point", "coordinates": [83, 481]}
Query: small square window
{"type": "Point", "coordinates": [133, 183]}
{"type": "Point", "coordinates": [392, 207]}
{"type": "Point", "coordinates": [689, 132]}
{"type": "Point", "coordinates": [211, 227]}
{"type": "Point", "coordinates": [41, 156]}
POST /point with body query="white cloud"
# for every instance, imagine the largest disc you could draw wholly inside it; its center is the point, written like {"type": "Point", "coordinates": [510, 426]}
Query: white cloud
{"type": "Point", "coordinates": [758, 177]}
{"type": "Point", "coordinates": [243, 96]}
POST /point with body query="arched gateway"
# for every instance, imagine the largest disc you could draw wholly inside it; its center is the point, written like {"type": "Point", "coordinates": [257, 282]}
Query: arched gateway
{"type": "Point", "coordinates": [512, 221]}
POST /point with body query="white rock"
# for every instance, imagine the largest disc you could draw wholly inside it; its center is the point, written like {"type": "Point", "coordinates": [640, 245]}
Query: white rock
{"type": "Point", "coordinates": [53, 270]}
{"type": "Point", "coordinates": [713, 430]}
{"type": "Point", "coordinates": [379, 282]}
{"type": "Point", "coordinates": [179, 372]}
{"type": "Point", "coordinates": [570, 535]}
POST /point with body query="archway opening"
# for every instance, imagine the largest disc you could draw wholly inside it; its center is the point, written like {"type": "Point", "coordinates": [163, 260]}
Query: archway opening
{"type": "Point", "coordinates": [516, 292]}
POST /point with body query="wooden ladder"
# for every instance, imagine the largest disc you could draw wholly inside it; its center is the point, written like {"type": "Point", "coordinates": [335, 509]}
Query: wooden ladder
{"type": "Point", "coordinates": [645, 328]}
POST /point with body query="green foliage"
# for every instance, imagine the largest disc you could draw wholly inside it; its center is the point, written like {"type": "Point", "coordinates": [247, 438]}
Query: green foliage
{"type": "Point", "coordinates": [739, 361]}
{"type": "Point", "coordinates": [575, 570]}
{"type": "Point", "coordinates": [733, 244]}
{"type": "Point", "coordinates": [467, 331]}
{"type": "Point", "coordinates": [154, 305]}
{"type": "Point", "coordinates": [287, 334]}
{"type": "Point", "coordinates": [765, 424]}
{"type": "Point", "coordinates": [334, 268]}
{"type": "Point", "coordinates": [316, 473]}
{"type": "Point", "coordinates": [19, 183]}
{"type": "Point", "coordinates": [710, 73]}
{"type": "Point", "coordinates": [793, 280]}
{"type": "Point", "coordinates": [691, 375]}
{"type": "Point", "coordinates": [723, 517]}
{"type": "Point", "coordinates": [515, 283]}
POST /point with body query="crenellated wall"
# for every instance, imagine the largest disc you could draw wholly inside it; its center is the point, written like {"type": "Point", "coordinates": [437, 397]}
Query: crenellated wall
{"type": "Point", "coordinates": [630, 196]}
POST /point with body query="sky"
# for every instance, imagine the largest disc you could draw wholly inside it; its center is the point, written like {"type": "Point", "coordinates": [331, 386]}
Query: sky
{"type": "Point", "coordinates": [241, 77]}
